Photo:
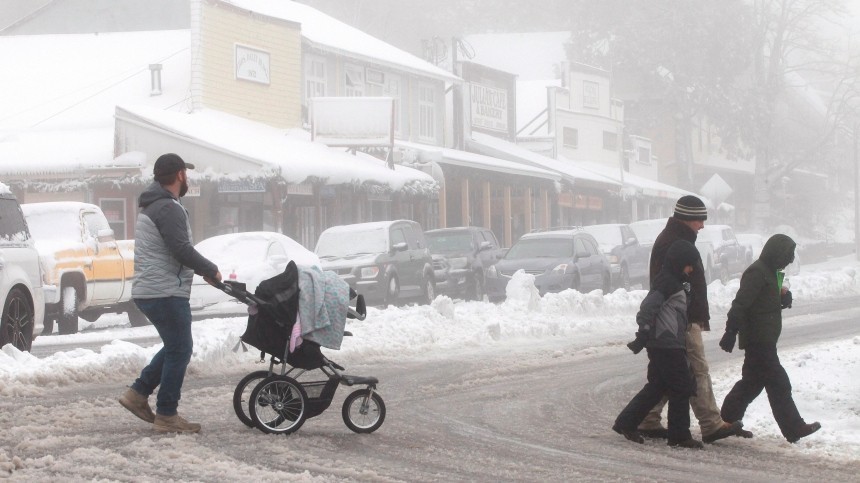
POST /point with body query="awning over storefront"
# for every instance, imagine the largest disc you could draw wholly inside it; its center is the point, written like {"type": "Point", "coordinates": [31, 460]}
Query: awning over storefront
{"type": "Point", "coordinates": [455, 157]}
{"type": "Point", "coordinates": [634, 184]}
{"type": "Point", "coordinates": [495, 147]}
{"type": "Point", "coordinates": [223, 145]}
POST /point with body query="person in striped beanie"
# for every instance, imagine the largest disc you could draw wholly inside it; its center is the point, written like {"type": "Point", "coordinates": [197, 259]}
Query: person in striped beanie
{"type": "Point", "coordinates": [689, 217]}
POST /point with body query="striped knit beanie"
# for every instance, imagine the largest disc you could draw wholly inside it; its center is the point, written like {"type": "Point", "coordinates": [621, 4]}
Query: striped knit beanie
{"type": "Point", "coordinates": [690, 208]}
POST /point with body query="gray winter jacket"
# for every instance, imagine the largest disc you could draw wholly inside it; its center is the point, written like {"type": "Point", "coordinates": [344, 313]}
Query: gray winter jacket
{"type": "Point", "coordinates": [165, 260]}
{"type": "Point", "coordinates": [666, 320]}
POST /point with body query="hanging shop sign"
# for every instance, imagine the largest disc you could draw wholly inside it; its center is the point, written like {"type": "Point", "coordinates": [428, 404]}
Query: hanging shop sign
{"type": "Point", "coordinates": [565, 199]}
{"type": "Point", "coordinates": [595, 203]}
{"type": "Point", "coordinates": [252, 64]}
{"type": "Point", "coordinates": [241, 186]}
{"type": "Point", "coordinates": [580, 201]}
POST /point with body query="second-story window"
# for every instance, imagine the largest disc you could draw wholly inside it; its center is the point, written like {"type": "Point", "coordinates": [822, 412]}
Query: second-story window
{"type": "Point", "coordinates": [315, 78]}
{"type": "Point", "coordinates": [590, 94]}
{"type": "Point", "coordinates": [644, 156]}
{"type": "Point", "coordinates": [610, 141]}
{"type": "Point", "coordinates": [353, 81]}
{"type": "Point", "coordinates": [570, 137]}
{"type": "Point", "coordinates": [384, 84]}
{"type": "Point", "coordinates": [426, 113]}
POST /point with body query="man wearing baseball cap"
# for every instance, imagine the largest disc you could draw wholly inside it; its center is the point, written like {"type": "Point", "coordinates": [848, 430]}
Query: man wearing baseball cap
{"type": "Point", "coordinates": [165, 262]}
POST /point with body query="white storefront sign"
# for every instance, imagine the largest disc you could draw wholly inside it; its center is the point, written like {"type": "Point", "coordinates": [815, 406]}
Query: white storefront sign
{"type": "Point", "coordinates": [489, 107]}
{"type": "Point", "coordinates": [252, 64]}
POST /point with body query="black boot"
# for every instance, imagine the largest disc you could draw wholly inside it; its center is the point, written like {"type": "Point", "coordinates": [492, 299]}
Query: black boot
{"type": "Point", "coordinates": [630, 434]}
{"type": "Point", "coordinates": [687, 443]}
{"type": "Point", "coordinates": [804, 431]}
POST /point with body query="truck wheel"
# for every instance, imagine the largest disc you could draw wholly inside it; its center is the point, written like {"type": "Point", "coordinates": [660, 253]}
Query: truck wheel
{"type": "Point", "coordinates": [16, 325]}
{"type": "Point", "coordinates": [67, 320]}
{"type": "Point", "coordinates": [392, 293]}
{"type": "Point", "coordinates": [136, 317]}
{"type": "Point", "coordinates": [429, 290]}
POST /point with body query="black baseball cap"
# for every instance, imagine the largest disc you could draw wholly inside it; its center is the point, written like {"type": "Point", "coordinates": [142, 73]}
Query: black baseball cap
{"type": "Point", "coordinates": [170, 163]}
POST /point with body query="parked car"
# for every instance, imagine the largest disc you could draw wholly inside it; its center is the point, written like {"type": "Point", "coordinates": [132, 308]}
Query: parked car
{"type": "Point", "coordinates": [87, 271]}
{"type": "Point", "coordinates": [756, 242]}
{"type": "Point", "coordinates": [559, 260]}
{"type": "Point", "coordinates": [469, 251]}
{"type": "Point", "coordinates": [386, 261]}
{"type": "Point", "coordinates": [628, 260]}
{"type": "Point", "coordinates": [21, 293]}
{"type": "Point", "coordinates": [249, 258]}
{"type": "Point", "coordinates": [722, 254]}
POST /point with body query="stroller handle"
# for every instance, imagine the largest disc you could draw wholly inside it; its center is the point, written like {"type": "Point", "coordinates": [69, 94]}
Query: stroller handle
{"type": "Point", "coordinates": [237, 290]}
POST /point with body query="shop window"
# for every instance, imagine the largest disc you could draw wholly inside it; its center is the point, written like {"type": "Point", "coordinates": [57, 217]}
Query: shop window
{"type": "Point", "coordinates": [353, 81]}
{"type": "Point", "coordinates": [315, 77]}
{"type": "Point", "coordinates": [426, 113]}
{"type": "Point", "coordinates": [114, 211]}
{"type": "Point", "coordinates": [570, 137]}
{"type": "Point", "coordinates": [610, 141]}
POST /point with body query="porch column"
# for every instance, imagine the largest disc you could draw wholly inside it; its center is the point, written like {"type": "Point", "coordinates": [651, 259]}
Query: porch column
{"type": "Point", "coordinates": [465, 209]}
{"type": "Point", "coordinates": [527, 206]}
{"type": "Point", "coordinates": [544, 208]}
{"type": "Point", "coordinates": [508, 235]}
{"type": "Point", "coordinates": [443, 207]}
{"type": "Point", "coordinates": [487, 205]}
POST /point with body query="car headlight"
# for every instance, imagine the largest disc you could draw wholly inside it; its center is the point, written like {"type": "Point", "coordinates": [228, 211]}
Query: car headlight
{"type": "Point", "coordinates": [459, 262]}
{"type": "Point", "coordinates": [491, 272]}
{"type": "Point", "coordinates": [369, 272]}
{"type": "Point", "coordinates": [560, 269]}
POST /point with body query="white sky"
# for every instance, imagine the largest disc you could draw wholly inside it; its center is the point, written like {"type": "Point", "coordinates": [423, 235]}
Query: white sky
{"type": "Point", "coordinates": [823, 375]}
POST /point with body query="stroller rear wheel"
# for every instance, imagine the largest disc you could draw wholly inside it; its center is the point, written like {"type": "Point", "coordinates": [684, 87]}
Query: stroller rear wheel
{"type": "Point", "coordinates": [278, 405]}
{"type": "Point", "coordinates": [363, 414]}
{"type": "Point", "coordinates": [242, 396]}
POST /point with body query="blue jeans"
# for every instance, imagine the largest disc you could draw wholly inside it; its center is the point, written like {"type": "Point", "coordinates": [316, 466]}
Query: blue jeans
{"type": "Point", "coordinates": [171, 317]}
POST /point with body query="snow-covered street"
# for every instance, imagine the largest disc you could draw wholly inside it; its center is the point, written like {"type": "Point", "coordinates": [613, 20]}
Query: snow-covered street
{"type": "Point", "coordinates": [468, 386]}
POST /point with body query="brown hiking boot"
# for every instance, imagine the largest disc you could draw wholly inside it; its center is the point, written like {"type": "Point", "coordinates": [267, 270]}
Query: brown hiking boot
{"type": "Point", "coordinates": [138, 404]}
{"type": "Point", "coordinates": [174, 424]}
{"type": "Point", "coordinates": [726, 430]}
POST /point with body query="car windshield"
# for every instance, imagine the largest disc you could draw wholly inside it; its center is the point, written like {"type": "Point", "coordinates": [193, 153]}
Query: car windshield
{"type": "Point", "coordinates": [47, 225]}
{"type": "Point", "coordinates": [449, 242]}
{"type": "Point", "coordinates": [345, 243]}
{"type": "Point", "coordinates": [714, 235]}
{"type": "Point", "coordinates": [605, 234]}
{"type": "Point", "coordinates": [541, 248]}
{"type": "Point", "coordinates": [647, 232]}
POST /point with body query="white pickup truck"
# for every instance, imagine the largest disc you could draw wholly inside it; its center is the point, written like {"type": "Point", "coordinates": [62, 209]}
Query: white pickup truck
{"type": "Point", "coordinates": [87, 272]}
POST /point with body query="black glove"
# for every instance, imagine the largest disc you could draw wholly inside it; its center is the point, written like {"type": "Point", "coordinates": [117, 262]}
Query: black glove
{"type": "Point", "coordinates": [785, 299]}
{"type": "Point", "coordinates": [637, 344]}
{"type": "Point", "coordinates": [727, 343]}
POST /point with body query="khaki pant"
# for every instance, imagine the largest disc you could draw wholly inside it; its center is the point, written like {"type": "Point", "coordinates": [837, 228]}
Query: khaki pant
{"type": "Point", "coordinates": [703, 403]}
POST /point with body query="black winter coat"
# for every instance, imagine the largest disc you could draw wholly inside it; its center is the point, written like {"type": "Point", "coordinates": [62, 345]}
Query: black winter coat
{"type": "Point", "coordinates": [697, 311]}
{"type": "Point", "coordinates": [756, 311]}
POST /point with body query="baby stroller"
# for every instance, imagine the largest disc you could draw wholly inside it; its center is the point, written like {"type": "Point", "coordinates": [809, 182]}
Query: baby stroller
{"type": "Point", "coordinates": [274, 400]}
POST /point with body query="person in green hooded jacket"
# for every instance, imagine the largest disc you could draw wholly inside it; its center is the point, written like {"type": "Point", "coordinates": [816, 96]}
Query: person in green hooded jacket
{"type": "Point", "coordinates": [756, 317]}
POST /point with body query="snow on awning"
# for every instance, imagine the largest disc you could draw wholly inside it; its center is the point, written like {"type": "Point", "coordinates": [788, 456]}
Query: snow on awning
{"type": "Point", "coordinates": [635, 184]}
{"type": "Point", "coordinates": [455, 157]}
{"type": "Point", "coordinates": [493, 146]}
{"type": "Point", "coordinates": [237, 147]}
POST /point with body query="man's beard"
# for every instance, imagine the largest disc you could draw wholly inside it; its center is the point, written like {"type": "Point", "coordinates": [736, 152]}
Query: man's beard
{"type": "Point", "coordinates": [183, 189]}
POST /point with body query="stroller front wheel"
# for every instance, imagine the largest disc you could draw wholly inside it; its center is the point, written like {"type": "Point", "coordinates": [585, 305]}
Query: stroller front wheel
{"type": "Point", "coordinates": [363, 414]}
{"type": "Point", "coordinates": [278, 405]}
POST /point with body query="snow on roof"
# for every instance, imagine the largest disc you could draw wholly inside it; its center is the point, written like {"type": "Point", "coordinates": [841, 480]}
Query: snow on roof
{"type": "Point", "coordinates": [4, 189]}
{"type": "Point", "coordinates": [331, 34]}
{"type": "Point", "coordinates": [532, 101]}
{"type": "Point", "coordinates": [568, 169]}
{"type": "Point", "coordinates": [479, 161]}
{"type": "Point", "coordinates": [290, 152]}
{"type": "Point", "coordinates": [648, 187]}
{"type": "Point", "coordinates": [56, 207]}
{"type": "Point", "coordinates": [75, 81]}
{"type": "Point", "coordinates": [531, 56]}
{"type": "Point", "coordinates": [36, 152]}
{"type": "Point", "coordinates": [361, 227]}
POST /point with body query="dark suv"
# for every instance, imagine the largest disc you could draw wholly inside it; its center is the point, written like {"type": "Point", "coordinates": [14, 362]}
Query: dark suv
{"type": "Point", "coordinates": [386, 261]}
{"type": "Point", "coordinates": [469, 252]}
{"type": "Point", "coordinates": [559, 260]}
{"type": "Point", "coordinates": [21, 294]}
